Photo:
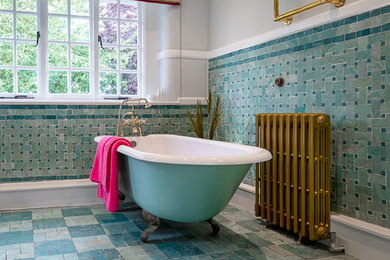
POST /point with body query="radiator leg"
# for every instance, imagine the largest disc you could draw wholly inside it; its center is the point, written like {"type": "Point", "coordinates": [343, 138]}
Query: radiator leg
{"type": "Point", "coordinates": [266, 224]}
{"type": "Point", "coordinates": [335, 247]}
{"type": "Point", "coordinates": [299, 239]}
{"type": "Point", "coordinates": [214, 226]}
{"type": "Point", "coordinates": [153, 223]}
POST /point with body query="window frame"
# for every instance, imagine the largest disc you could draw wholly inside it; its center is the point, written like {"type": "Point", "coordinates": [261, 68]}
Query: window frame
{"type": "Point", "coordinates": [42, 67]}
{"type": "Point", "coordinates": [69, 44]}
{"type": "Point", "coordinates": [139, 46]}
{"type": "Point", "coordinates": [14, 40]}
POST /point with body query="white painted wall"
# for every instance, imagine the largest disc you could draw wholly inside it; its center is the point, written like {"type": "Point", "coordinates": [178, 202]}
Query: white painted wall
{"type": "Point", "coordinates": [194, 24]}
{"type": "Point", "coordinates": [176, 45]}
{"type": "Point", "coordinates": [235, 20]}
{"type": "Point", "coordinates": [151, 39]}
{"type": "Point", "coordinates": [194, 37]}
{"type": "Point", "coordinates": [232, 21]}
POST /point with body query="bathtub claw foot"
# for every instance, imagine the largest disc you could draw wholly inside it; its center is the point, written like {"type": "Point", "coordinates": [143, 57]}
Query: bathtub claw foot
{"type": "Point", "coordinates": [214, 226]}
{"type": "Point", "coordinates": [153, 223]}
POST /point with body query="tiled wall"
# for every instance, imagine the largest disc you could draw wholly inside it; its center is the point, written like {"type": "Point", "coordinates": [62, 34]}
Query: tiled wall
{"type": "Point", "coordinates": [342, 69]}
{"type": "Point", "coordinates": [45, 142]}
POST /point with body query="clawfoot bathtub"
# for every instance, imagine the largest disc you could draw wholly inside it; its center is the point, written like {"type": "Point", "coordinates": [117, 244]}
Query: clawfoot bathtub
{"type": "Point", "coordinates": [183, 179]}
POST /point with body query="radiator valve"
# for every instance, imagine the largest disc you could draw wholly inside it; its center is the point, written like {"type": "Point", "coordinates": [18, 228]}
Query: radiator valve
{"type": "Point", "coordinates": [322, 232]}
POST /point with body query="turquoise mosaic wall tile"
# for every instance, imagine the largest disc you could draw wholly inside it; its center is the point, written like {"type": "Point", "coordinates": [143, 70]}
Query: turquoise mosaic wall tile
{"type": "Point", "coordinates": [47, 142]}
{"type": "Point", "coordinates": [341, 68]}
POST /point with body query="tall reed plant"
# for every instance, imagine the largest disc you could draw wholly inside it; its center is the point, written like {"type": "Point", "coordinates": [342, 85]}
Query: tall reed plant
{"type": "Point", "coordinates": [214, 117]}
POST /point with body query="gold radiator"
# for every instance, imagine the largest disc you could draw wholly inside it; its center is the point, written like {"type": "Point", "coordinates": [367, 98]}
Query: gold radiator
{"type": "Point", "coordinates": [293, 189]}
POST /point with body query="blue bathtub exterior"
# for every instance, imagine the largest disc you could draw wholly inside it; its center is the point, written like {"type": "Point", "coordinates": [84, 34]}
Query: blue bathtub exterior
{"type": "Point", "coordinates": [178, 192]}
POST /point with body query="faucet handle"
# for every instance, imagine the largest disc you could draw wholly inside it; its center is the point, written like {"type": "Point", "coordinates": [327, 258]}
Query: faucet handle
{"type": "Point", "coordinates": [140, 122]}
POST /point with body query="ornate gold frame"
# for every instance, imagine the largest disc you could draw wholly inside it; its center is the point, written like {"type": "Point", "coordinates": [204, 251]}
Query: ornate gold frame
{"type": "Point", "coordinates": [287, 17]}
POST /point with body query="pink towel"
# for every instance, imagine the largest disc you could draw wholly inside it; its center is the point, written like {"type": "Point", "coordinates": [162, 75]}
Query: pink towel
{"type": "Point", "coordinates": [105, 170]}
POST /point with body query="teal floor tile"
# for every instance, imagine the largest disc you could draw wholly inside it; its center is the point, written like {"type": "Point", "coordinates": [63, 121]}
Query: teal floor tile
{"type": "Point", "coordinates": [48, 223]}
{"type": "Point", "coordinates": [17, 237]}
{"type": "Point", "coordinates": [86, 231]}
{"type": "Point", "coordinates": [72, 212]}
{"type": "Point", "coordinates": [179, 249]}
{"type": "Point", "coordinates": [120, 227]}
{"type": "Point", "coordinates": [55, 247]}
{"type": "Point", "coordinates": [117, 236]}
{"type": "Point", "coordinates": [101, 254]}
{"type": "Point", "coordinates": [111, 218]}
{"type": "Point", "coordinates": [15, 216]}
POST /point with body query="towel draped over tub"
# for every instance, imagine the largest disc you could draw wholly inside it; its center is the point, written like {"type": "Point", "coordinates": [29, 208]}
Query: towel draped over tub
{"type": "Point", "coordinates": [105, 170]}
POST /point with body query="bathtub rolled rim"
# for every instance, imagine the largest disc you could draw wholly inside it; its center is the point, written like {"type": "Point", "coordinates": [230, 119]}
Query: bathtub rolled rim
{"type": "Point", "coordinates": [255, 154]}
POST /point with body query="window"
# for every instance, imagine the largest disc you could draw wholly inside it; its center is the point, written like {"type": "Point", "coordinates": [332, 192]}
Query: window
{"type": "Point", "coordinates": [69, 46]}
{"type": "Point", "coordinates": [118, 60]}
{"type": "Point", "coordinates": [18, 54]}
{"type": "Point", "coordinates": [69, 62]}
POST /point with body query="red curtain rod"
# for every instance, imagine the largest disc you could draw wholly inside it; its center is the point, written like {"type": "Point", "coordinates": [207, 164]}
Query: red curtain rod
{"type": "Point", "coordinates": [158, 2]}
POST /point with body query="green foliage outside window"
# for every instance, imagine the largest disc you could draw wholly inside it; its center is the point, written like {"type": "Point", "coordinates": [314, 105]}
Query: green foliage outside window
{"type": "Point", "coordinates": [6, 54]}
{"type": "Point", "coordinates": [80, 82]}
{"type": "Point", "coordinates": [27, 81]}
{"type": "Point", "coordinates": [58, 82]}
{"type": "Point", "coordinates": [6, 80]}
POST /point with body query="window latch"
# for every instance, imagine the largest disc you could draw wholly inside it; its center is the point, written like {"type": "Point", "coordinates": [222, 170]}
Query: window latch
{"type": "Point", "coordinates": [18, 97]}
{"type": "Point", "coordinates": [38, 36]}
{"type": "Point", "coordinates": [116, 98]}
{"type": "Point", "coordinates": [100, 41]}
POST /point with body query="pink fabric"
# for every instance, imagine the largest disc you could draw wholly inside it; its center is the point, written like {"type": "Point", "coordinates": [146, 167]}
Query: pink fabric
{"type": "Point", "coordinates": [105, 170]}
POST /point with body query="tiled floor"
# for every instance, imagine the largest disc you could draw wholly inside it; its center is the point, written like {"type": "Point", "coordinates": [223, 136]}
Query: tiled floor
{"type": "Point", "coordinates": [93, 233]}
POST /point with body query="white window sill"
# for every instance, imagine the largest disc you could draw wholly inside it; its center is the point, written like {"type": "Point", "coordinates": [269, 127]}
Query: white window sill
{"type": "Point", "coordinates": [181, 101]}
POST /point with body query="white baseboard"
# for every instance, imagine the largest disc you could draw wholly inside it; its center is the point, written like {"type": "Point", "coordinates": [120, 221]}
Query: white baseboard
{"type": "Point", "coordinates": [25, 195]}
{"type": "Point", "coordinates": [360, 239]}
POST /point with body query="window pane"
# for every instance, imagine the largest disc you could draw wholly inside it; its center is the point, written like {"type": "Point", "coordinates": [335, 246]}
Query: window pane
{"type": "Point", "coordinates": [58, 29]}
{"type": "Point", "coordinates": [58, 55]}
{"type": "Point", "coordinates": [26, 27]}
{"type": "Point", "coordinates": [79, 30]}
{"type": "Point", "coordinates": [79, 7]}
{"type": "Point", "coordinates": [108, 83]}
{"type": "Point", "coordinates": [26, 5]}
{"type": "Point", "coordinates": [108, 9]}
{"type": "Point", "coordinates": [6, 81]}
{"type": "Point", "coordinates": [58, 6]}
{"type": "Point", "coordinates": [129, 33]}
{"type": "Point", "coordinates": [108, 58]}
{"type": "Point", "coordinates": [6, 25]}
{"type": "Point", "coordinates": [80, 56]}
{"type": "Point", "coordinates": [6, 54]}
{"type": "Point", "coordinates": [108, 30]}
{"type": "Point", "coordinates": [58, 82]}
{"type": "Point", "coordinates": [6, 5]}
{"type": "Point", "coordinates": [129, 10]}
{"type": "Point", "coordinates": [80, 82]}
{"type": "Point", "coordinates": [128, 59]}
{"type": "Point", "coordinates": [27, 81]}
{"type": "Point", "coordinates": [26, 54]}
{"type": "Point", "coordinates": [129, 83]}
